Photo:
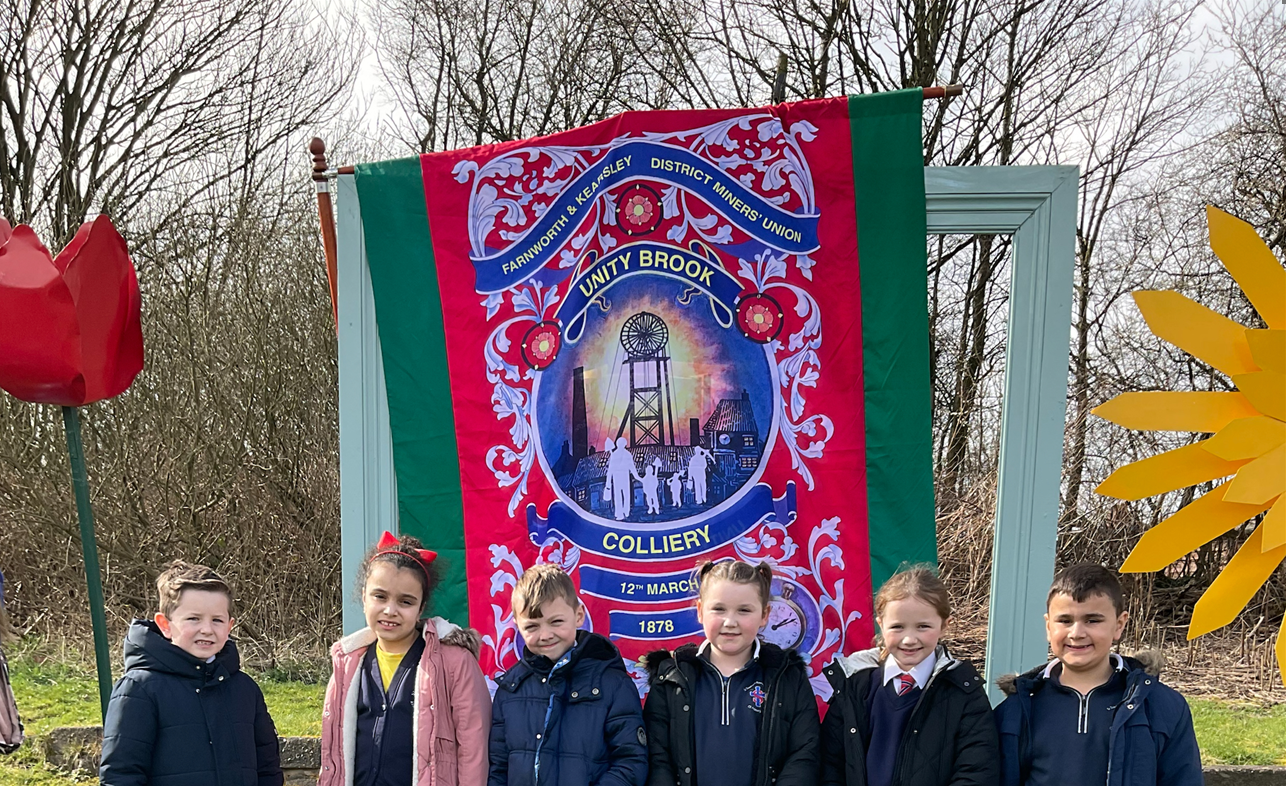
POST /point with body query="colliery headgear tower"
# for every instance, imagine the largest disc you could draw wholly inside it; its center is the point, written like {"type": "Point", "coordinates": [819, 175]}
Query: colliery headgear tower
{"type": "Point", "coordinates": [645, 339]}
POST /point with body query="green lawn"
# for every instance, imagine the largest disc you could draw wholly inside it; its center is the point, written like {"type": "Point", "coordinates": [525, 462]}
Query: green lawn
{"type": "Point", "coordinates": [51, 695]}
{"type": "Point", "coordinates": [1236, 733]}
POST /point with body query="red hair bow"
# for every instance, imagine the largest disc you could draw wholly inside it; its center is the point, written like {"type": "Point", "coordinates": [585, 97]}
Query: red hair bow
{"type": "Point", "coordinates": [389, 543]}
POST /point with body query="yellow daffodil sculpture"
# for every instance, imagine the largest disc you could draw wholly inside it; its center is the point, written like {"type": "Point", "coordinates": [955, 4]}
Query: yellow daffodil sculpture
{"type": "Point", "coordinates": [1248, 427]}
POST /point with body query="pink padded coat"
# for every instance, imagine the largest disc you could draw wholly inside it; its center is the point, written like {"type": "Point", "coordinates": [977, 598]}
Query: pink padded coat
{"type": "Point", "coordinates": [452, 709]}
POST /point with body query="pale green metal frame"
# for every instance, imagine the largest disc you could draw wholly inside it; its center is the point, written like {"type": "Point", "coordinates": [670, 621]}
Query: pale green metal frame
{"type": "Point", "coordinates": [1036, 205]}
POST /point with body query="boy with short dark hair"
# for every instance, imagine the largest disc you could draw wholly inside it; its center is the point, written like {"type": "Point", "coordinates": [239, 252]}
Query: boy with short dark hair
{"type": "Point", "coordinates": [1091, 716]}
{"type": "Point", "coordinates": [568, 713]}
{"type": "Point", "coordinates": [184, 713]}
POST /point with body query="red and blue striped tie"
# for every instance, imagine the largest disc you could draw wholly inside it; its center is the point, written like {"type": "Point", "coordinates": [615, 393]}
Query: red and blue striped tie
{"type": "Point", "coordinates": [905, 682]}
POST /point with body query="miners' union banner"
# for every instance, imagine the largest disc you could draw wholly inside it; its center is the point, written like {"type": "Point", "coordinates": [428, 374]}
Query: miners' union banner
{"type": "Point", "coordinates": [661, 339]}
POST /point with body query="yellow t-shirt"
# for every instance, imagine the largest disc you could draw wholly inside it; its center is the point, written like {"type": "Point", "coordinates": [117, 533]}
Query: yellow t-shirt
{"type": "Point", "coordinates": [388, 665]}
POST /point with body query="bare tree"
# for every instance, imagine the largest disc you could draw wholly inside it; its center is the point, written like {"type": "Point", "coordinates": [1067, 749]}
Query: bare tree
{"type": "Point", "coordinates": [465, 72]}
{"type": "Point", "coordinates": [183, 119]}
{"type": "Point", "coordinates": [1150, 101]}
{"type": "Point", "coordinates": [103, 104]}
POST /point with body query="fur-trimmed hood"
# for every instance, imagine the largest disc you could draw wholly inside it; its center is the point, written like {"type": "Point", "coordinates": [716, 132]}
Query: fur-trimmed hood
{"type": "Point", "coordinates": [653, 661]}
{"type": "Point", "coordinates": [1150, 661]}
{"type": "Point", "coordinates": [451, 704]}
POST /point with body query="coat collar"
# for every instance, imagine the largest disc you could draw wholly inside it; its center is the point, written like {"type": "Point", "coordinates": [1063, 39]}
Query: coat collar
{"type": "Point", "coordinates": [591, 648]}
{"type": "Point", "coordinates": [869, 660]}
{"type": "Point", "coordinates": [146, 648]}
{"type": "Point", "coordinates": [1135, 671]}
{"type": "Point", "coordinates": [1118, 665]}
{"type": "Point", "coordinates": [666, 666]}
{"type": "Point", "coordinates": [436, 627]}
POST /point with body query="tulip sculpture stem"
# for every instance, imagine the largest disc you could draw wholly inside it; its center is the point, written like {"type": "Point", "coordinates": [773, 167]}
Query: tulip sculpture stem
{"type": "Point", "coordinates": [89, 546]}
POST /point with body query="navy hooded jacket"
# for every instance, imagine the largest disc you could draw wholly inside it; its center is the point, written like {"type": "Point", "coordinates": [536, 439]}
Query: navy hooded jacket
{"type": "Point", "coordinates": [1151, 742]}
{"type": "Point", "coordinates": [175, 719]}
{"type": "Point", "coordinates": [584, 722]}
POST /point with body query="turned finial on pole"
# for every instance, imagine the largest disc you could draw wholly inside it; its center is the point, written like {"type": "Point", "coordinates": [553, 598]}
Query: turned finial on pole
{"type": "Point", "coordinates": [322, 181]}
{"type": "Point", "coordinates": [317, 147]}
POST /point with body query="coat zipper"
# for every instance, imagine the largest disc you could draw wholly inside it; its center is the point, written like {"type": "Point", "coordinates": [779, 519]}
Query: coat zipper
{"type": "Point", "coordinates": [725, 683]}
{"type": "Point", "coordinates": [1111, 739]}
{"type": "Point", "coordinates": [549, 710]}
{"type": "Point", "coordinates": [767, 732]}
{"type": "Point", "coordinates": [897, 767]}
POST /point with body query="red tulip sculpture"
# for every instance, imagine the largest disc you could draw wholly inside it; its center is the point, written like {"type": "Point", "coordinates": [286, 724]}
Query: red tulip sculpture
{"type": "Point", "coordinates": [70, 335]}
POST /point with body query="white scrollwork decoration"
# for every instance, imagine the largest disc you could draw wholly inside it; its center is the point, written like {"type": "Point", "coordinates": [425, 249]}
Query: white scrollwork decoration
{"type": "Point", "coordinates": [510, 190]}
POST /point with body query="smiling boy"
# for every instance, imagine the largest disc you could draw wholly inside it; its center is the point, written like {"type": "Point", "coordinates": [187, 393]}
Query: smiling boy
{"type": "Point", "coordinates": [1091, 716]}
{"type": "Point", "coordinates": [184, 713]}
{"type": "Point", "coordinates": [568, 713]}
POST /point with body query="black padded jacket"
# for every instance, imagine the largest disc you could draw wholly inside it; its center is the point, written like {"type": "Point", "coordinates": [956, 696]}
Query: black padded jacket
{"type": "Point", "coordinates": [950, 738]}
{"type": "Point", "coordinates": [788, 735]}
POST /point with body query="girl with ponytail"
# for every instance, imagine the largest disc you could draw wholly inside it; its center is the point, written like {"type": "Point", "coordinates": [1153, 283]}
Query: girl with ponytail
{"type": "Point", "coordinates": [732, 710]}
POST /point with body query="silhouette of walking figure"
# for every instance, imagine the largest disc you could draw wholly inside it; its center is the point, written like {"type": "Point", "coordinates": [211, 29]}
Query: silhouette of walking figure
{"type": "Point", "coordinates": [697, 467]}
{"type": "Point", "coordinates": [652, 487]}
{"type": "Point", "coordinates": [620, 467]}
{"type": "Point", "coordinates": [675, 483]}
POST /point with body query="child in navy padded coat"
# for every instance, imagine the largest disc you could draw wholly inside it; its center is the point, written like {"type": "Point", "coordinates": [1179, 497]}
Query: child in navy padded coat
{"type": "Point", "coordinates": [568, 713]}
{"type": "Point", "coordinates": [184, 713]}
{"type": "Point", "coordinates": [1091, 716]}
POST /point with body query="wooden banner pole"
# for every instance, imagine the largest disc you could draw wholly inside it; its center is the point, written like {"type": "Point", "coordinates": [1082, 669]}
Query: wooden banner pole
{"type": "Point", "coordinates": [326, 214]}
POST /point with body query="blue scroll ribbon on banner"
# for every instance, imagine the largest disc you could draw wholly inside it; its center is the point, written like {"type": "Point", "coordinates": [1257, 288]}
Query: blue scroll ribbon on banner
{"type": "Point", "coordinates": [636, 587]}
{"type": "Point", "coordinates": [648, 258]}
{"type": "Point", "coordinates": [787, 232]}
{"type": "Point", "coordinates": [659, 542]}
{"type": "Point", "coordinates": [657, 625]}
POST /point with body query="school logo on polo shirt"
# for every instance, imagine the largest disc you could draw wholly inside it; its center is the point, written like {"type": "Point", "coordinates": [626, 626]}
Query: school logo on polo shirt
{"type": "Point", "coordinates": [757, 695]}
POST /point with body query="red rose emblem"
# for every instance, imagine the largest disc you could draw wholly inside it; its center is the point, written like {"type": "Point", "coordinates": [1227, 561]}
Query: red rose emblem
{"type": "Point", "coordinates": [541, 344]}
{"type": "Point", "coordinates": [759, 317]}
{"type": "Point", "coordinates": [640, 210]}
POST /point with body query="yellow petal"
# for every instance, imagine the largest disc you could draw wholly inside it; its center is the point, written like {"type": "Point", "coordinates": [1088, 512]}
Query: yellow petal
{"type": "Point", "coordinates": [1261, 480]}
{"type": "Point", "coordinates": [1245, 439]}
{"type": "Point", "coordinates": [1167, 471]}
{"type": "Point", "coordinates": [1208, 335]}
{"type": "Point", "coordinates": [1267, 348]}
{"type": "Point", "coordinates": [1281, 650]}
{"type": "Point", "coordinates": [1186, 530]}
{"type": "Point", "coordinates": [1266, 391]}
{"type": "Point", "coordinates": [1274, 525]}
{"type": "Point", "coordinates": [1251, 263]}
{"type": "Point", "coordinates": [1184, 411]}
{"type": "Point", "coordinates": [1235, 585]}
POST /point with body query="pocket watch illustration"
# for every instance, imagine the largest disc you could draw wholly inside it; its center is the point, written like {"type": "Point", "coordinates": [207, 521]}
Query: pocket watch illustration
{"type": "Point", "coordinates": [794, 619]}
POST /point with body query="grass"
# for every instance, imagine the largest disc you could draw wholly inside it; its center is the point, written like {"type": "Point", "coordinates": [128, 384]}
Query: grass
{"type": "Point", "coordinates": [49, 695]}
{"type": "Point", "coordinates": [53, 694]}
{"type": "Point", "coordinates": [1240, 734]}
